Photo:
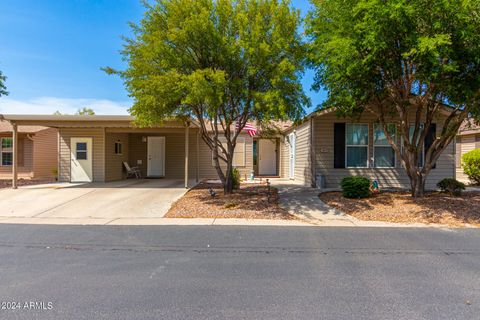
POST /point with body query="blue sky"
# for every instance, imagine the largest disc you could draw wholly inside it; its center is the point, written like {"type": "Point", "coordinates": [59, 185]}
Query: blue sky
{"type": "Point", "coordinates": [51, 52]}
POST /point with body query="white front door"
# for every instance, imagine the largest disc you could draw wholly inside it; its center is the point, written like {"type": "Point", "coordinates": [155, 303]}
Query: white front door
{"type": "Point", "coordinates": [267, 164]}
{"type": "Point", "coordinates": [291, 138]}
{"type": "Point", "coordinates": [156, 157]}
{"type": "Point", "coordinates": [81, 160]}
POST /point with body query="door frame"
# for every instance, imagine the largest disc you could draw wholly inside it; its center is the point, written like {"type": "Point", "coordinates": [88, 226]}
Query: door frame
{"type": "Point", "coordinates": [292, 141]}
{"type": "Point", "coordinates": [163, 154]}
{"type": "Point", "coordinates": [73, 149]}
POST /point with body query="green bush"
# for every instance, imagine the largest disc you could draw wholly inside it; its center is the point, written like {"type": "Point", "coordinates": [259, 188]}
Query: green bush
{"type": "Point", "coordinates": [451, 185]}
{"type": "Point", "coordinates": [355, 187]}
{"type": "Point", "coordinates": [471, 165]}
{"type": "Point", "coordinates": [236, 178]}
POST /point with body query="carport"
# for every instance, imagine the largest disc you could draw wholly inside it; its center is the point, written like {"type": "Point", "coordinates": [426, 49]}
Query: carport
{"type": "Point", "coordinates": [98, 145]}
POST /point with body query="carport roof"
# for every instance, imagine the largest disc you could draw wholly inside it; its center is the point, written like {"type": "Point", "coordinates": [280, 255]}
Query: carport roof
{"type": "Point", "coordinates": [87, 121]}
{"type": "Point", "coordinates": [43, 117]}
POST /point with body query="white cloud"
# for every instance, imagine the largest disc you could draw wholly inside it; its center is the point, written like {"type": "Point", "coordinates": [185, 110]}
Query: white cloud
{"type": "Point", "coordinates": [48, 105]}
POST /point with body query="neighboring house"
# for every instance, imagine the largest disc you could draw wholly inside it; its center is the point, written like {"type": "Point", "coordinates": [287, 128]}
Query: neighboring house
{"type": "Point", "coordinates": [468, 138]}
{"type": "Point", "coordinates": [37, 152]}
{"type": "Point", "coordinates": [93, 148]}
{"type": "Point", "coordinates": [323, 147]}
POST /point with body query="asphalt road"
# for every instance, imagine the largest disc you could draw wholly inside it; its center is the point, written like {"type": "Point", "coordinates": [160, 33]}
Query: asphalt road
{"type": "Point", "coordinates": [170, 272]}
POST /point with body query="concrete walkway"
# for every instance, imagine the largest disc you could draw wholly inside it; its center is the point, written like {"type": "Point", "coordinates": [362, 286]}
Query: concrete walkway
{"type": "Point", "coordinates": [304, 203]}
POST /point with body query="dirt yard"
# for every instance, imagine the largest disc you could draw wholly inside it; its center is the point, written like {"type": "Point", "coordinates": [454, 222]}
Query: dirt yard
{"type": "Point", "coordinates": [401, 207]}
{"type": "Point", "coordinates": [249, 202]}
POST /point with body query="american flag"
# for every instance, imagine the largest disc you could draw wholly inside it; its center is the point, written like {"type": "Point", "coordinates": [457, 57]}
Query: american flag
{"type": "Point", "coordinates": [251, 130]}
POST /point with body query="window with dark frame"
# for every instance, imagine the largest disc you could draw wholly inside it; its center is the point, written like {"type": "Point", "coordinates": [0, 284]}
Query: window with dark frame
{"type": "Point", "coordinates": [118, 147]}
{"type": "Point", "coordinates": [6, 153]}
{"type": "Point", "coordinates": [356, 144]}
{"type": "Point", "coordinates": [81, 150]}
{"type": "Point", "coordinates": [383, 153]}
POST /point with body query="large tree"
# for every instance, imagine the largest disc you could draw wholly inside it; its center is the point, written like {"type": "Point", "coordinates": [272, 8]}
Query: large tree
{"type": "Point", "coordinates": [3, 88]}
{"type": "Point", "coordinates": [401, 60]}
{"type": "Point", "coordinates": [220, 62]}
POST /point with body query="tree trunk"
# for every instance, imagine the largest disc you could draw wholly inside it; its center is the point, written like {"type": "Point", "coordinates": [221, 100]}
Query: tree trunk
{"type": "Point", "coordinates": [417, 182]}
{"type": "Point", "coordinates": [228, 186]}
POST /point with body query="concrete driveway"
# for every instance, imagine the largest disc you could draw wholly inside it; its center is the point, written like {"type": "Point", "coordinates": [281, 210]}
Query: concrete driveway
{"type": "Point", "coordinates": [98, 203]}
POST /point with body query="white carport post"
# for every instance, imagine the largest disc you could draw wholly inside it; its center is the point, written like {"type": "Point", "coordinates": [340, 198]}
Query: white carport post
{"type": "Point", "coordinates": [14, 155]}
{"type": "Point", "coordinates": [187, 127]}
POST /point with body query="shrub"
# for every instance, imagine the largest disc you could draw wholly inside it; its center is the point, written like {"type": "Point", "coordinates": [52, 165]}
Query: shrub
{"type": "Point", "coordinates": [451, 185]}
{"type": "Point", "coordinates": [236, 178]}
{"type": "Point", "coordinates": [355, 187]}
{"type": "Point", "coordinates": [471, 165]}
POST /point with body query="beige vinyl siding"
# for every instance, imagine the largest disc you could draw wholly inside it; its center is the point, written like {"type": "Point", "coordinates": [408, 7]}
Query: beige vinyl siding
{"type": "Point", "coordinates": [25, 161]}
{"type": "Point", "coordinates": [114, 162]}
{"type": "Point", "coordinates": [208, 171]}
{"type": "Point", "coordinates": [303, 173]}
{"type": "Point", "coordinates": [466, 144]}
{"type": "Point", "coordinates": [98, 138]}
{"type": "Point", "coordinates": [45, 153]}
{"type": "Point", "coordinates": [174, 152]}
{"type": "Point", "coordinates": [387, 177]}
{"type": "Point", "coordinates": [284, 157]}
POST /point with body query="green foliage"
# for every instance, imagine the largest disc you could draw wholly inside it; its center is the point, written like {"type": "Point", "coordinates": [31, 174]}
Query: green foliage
{"type": "Point", "coordinates": [221, 54]}
{"type": "Point", "coordinates": [451, 185]}
{"type": "Point", "coordinates": [3, 88]}
{"type": "Point", "coordinates": [355, 187]}
{"type": "Point", "coordinates": [401, 60]}
{"type": "Point", "coordinates": [471, 165]}
{"type": "Point", "coordinates": [362, 49]}
{"type": "Point", "coordinates": [236, 178]}
{"type": "Point", "coordinates": [85, 112]}
{"type": "Point", "coordinates": [217, 61]}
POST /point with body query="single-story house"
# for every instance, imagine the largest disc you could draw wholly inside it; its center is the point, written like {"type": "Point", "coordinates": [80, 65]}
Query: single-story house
{"type": "Point", "coordinates": [319, 151]}
{"type": "Point", "coordinates": [37, 151]}
{"type": "Point", "coordinates": [326, 148]}
{"type": "Point", "coordinates": [468, 138]}
{"type": "Point", "coordinates": [94, 149]}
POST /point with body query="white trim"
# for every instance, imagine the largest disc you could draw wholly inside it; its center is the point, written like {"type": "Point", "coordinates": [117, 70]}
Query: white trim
{"type": "Point", "coordinates": [357, 145]}
{"type": "Point", "coordinates": [292, 154]}
{"type": "Point", "coordinates": [384, 146]}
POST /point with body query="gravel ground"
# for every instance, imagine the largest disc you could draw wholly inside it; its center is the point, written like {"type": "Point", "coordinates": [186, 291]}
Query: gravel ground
{"type": "Point", "coordinates": [7, 183]}
{"type": "Point", "coordinates": [436, 207]}
{"type": "Point", "coordinates": [249, 202]}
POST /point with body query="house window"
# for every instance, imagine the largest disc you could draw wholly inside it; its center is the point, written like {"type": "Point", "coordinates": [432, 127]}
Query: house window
{"type": "Point", "coordinates": [422, 153]}
{"type": "Point", "coordinates": [6, 153]}
{"type": "Point", "coordinates": [81, 150]}
{"type": "Point", "coordinates": [255, 152]}
{"type": "Point", "coordinates": [356, 139]}
{"type": "Point", "coordinates": [118, 147]}
{"type": "Point", "coordinates": [383, 153]}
